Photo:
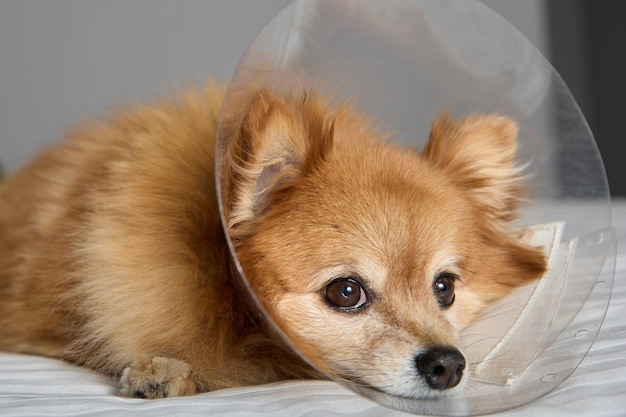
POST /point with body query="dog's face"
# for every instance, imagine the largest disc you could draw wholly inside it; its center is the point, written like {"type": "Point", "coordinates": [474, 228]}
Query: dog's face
{"type": "Point", "coordinates": [371, 258]}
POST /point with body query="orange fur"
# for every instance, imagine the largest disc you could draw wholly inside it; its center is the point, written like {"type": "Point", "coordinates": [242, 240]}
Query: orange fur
{"type": "Point", "coordinates": [113, 253]}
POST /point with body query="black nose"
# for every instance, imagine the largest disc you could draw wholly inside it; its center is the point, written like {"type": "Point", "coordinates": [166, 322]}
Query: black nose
{"type": "Point", "coordinates": [441, 366]}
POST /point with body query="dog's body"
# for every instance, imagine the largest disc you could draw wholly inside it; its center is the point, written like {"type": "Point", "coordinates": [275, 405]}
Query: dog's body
{"type": "Point", "coordinates": [113, 255]}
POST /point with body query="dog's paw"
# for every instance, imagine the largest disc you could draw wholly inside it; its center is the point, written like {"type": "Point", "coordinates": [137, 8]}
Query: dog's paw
{"type": "Point", "coordinates": [157, 377]}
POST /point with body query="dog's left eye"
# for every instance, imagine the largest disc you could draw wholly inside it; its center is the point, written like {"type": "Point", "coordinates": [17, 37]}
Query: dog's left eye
{"type": "Point", "coordinates": [346, 294]}
{"type": "Point", "coordinates": [444, 289]}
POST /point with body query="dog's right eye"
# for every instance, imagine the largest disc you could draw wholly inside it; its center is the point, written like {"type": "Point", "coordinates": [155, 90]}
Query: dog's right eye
{"type": "Point", "coordinates": [346, 294]}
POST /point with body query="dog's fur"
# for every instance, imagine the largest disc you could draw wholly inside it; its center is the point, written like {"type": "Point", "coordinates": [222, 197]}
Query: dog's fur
{"type": "Point", "coordinates": [113, 255]}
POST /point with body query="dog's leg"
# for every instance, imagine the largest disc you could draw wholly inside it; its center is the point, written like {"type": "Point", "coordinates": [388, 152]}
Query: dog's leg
{"type": "Point", "coordinates": [157, 377]}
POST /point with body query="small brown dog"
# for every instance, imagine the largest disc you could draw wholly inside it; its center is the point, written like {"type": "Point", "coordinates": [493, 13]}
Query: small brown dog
{"type": "Point", "coordinates": [369, 257]}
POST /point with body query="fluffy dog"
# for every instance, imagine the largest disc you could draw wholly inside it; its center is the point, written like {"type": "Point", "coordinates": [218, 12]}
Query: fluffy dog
{"type": "Point", "coordinates": [370, 258]}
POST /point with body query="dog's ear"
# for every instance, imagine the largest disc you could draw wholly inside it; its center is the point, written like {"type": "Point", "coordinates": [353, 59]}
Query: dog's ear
{"type": "Point", "coordinates": [279, 139]}
{"type": "Point", "coordinates": [478, 152]}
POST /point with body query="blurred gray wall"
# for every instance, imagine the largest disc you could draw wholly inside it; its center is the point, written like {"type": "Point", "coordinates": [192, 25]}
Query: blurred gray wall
{"type": "Point", "coordinates": [588, 44]}
{"type": "Point", "coordinates": [66, 60]}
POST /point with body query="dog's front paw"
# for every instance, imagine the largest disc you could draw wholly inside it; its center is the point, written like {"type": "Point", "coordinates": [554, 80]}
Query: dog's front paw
{"type": "Point", "coordinates": [157, 377]}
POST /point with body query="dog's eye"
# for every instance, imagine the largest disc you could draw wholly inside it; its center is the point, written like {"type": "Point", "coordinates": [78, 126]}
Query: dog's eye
{"type": "Point", "coordinates": [444, 289]}
{"type": "Point", "coordinates": [346, 294]}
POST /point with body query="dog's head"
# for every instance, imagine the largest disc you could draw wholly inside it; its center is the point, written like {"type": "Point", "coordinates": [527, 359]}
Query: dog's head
{"type": "Point", "coordinates": [371, 258]}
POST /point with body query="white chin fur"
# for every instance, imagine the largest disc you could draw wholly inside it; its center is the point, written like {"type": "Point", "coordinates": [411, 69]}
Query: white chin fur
{"type": "Point", "coordinates": [419, 389]}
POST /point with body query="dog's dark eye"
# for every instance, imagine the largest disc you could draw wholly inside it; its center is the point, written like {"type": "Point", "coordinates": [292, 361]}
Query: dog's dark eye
{"type": "Point", "coordinates": [444, 289]}
{"type": "Point", "coordinates": [346, 294]}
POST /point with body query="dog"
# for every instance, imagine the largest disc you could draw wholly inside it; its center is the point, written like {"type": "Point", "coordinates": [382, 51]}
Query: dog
{"type": "Point", "coordinates": [369, 258]}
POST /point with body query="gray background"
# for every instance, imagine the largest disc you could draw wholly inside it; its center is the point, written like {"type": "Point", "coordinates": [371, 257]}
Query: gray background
{"type": "Point", "coordinates": [66, 60]}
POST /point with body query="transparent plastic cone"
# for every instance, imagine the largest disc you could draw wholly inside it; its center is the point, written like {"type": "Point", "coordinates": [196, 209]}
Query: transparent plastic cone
{"type": "Point", "coordinates": [403, 62]}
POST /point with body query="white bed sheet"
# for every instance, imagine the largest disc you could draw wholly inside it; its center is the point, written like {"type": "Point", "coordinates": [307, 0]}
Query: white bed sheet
{"type": "Point", "coordinates": [35, 386]}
